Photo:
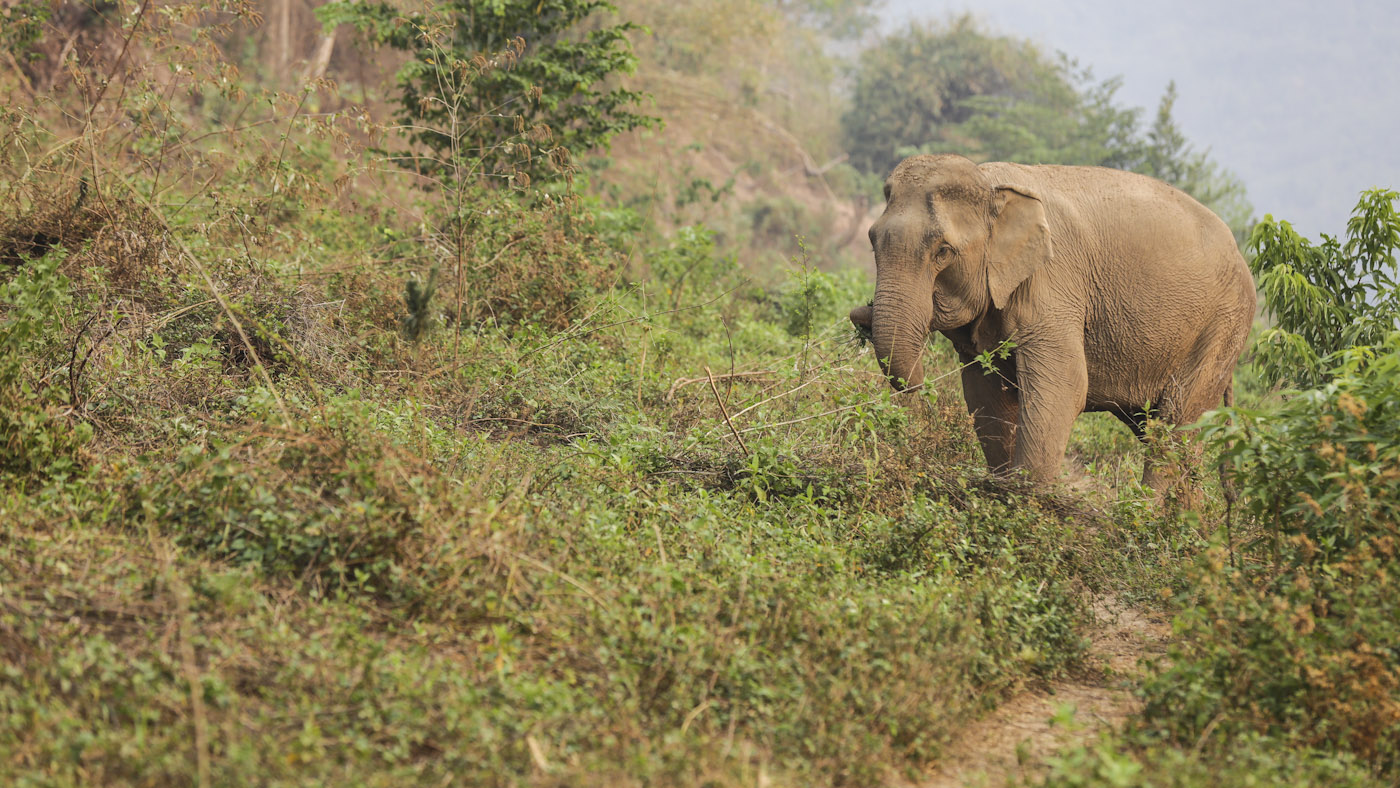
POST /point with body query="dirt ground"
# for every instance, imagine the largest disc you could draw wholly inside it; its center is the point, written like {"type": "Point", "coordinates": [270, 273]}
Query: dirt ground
{"type": "Point", "coordinates": [1014, 741]}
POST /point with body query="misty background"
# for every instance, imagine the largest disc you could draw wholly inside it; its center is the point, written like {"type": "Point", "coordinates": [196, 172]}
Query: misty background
{"type": "Point", "coordinates": [1298, 98]}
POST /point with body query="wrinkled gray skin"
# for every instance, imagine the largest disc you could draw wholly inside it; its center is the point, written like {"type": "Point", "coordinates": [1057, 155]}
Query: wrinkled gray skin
{"type": "Point", "coordinates": [1118, 291]}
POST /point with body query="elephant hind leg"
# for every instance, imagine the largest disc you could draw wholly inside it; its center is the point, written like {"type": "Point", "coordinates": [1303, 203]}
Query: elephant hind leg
{"type": "Point", "coordinates": [1173, 461]}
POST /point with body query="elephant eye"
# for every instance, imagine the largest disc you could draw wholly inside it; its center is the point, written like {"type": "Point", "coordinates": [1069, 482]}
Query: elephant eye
{"type": "Point", "coordinates": [944, 252]}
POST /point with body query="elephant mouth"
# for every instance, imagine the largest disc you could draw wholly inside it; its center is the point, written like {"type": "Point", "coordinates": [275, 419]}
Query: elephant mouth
{"type": "Point", "coordinates": [862, 321]}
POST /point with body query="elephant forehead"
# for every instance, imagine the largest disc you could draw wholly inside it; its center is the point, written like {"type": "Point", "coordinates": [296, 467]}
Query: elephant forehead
{"type": "Point", "coordinates": [926, 168]}
{"type": "Point", "coordinates": [956, 219]}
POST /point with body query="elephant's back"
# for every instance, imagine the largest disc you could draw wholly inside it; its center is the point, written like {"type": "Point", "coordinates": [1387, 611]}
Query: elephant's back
{"type": "Point", "coordinates": [1127, 237]}
{"type": "Point", "coordinates": [1165, 291]}
{"type": "Point", "coordinates": [1109, 199]}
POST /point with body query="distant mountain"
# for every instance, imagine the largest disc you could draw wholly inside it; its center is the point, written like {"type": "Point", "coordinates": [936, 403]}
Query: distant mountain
{"type": "Point", "coordinates": [1300, 98]}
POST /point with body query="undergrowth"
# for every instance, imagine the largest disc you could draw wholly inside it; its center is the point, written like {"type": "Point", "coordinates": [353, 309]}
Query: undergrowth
{"type": "Point", "coordinates": [269, 522]}
{"type": "Point", "coordinates": [317, 469]}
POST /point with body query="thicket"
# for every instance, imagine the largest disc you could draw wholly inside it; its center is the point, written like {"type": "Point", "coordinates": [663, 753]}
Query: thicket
{"type": "Point", "coordinates": [1299, 637]}
{"type": "Point", "coordinates": [1331, 301]}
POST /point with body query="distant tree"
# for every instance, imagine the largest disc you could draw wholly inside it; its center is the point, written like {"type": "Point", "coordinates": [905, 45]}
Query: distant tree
{"type": "Point", "coordinates": [1332, 301]}
{"type": "Point", "coordinates": [913, 86]}
{"type": "Point", "coordinates": [1061, 117]}
{"type": "Point", "coordinates": [1167, 155]}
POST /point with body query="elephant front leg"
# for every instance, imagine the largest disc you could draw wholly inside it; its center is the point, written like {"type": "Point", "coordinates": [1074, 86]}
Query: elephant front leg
{"type": "Point", "coordinates": [992, 401]}
{"type": "Point", "coordinates": [1053, 380]}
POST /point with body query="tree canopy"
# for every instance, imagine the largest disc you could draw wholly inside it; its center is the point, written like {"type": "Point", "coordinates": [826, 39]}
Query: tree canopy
{"type": "Point", "coordinates": [909, 88]}
{"type": "Point", "coordinates": [517, 86]}
{"type": "Point", "coordinates": [1330, 300]}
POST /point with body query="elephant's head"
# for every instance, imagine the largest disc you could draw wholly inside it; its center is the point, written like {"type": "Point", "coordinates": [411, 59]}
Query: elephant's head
{"type": "Point", "coordinates": [951, 245]}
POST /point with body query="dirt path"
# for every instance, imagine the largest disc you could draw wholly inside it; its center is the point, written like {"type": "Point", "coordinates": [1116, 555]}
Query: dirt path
{"type": "Point", "coordinates": [1015, 739]}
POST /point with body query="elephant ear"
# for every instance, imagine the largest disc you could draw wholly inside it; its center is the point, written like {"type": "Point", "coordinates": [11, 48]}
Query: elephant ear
{"type": "Point", "coordinates": [1020, 241]}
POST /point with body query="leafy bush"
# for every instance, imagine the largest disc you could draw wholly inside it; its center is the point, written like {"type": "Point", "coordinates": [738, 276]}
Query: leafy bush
{"type": "Point", "coordinates": [37, 440]}
{"type": "Point", "coordinates": [690, 262]}
{"type": "Point", "coordinates": [332, 506]}
{"type": "Point", "coordinates": [1297, 637]}
{"type": "Point", "coordinates": [531, 260]}
{"type": "Point", "coordinates": [1330, 299]}
{"type": "Point", "coordinates": [1132, 762]}
{"type": "Point", "coordinates": [812, 301]}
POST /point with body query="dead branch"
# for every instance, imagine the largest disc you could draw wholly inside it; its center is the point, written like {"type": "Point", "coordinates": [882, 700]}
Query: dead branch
{"type": "Point", "coordinates": [683, 382]}
{"type": "Point", "coordinates": [725, 413]}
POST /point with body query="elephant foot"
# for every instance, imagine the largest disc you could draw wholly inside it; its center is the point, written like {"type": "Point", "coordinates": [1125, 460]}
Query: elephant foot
{"type": "Point", "coordinates": [1175, 486]}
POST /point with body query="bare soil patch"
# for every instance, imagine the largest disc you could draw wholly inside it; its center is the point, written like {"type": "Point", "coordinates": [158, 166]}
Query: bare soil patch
{"type": "Point", "coordinates": [1014, 741]}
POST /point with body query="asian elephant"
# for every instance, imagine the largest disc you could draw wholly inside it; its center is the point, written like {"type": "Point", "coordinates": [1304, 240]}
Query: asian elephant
{"type": "Point", "coordinates": [1119, 292]}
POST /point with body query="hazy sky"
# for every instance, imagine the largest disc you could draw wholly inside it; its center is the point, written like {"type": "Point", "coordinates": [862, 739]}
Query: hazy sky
{"type": "Point", "coordinates": [1301, 99]}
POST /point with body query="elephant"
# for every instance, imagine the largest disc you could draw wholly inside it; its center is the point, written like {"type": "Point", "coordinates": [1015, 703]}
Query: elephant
{"type": "Point", "coordinates": [1118, 292]}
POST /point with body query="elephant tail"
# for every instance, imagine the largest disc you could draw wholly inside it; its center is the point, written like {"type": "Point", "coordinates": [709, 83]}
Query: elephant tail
{"type": "Point", "coordinates": [1226, 484]}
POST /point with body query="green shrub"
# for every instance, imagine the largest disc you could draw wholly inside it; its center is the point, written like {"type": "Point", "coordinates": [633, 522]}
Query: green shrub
{"type": "Point", "coordinates": [532, 260]}
{"type": "Point", "coordinates": [517, 89]}
{"type": "Point", "coordinates": [1328, 298]}
{"type": "Point", "coordinates": [811, 302]}
{"type": "Point", "coordinates": [1247, 760]}
{"type": "Point", "coordinates": [38, 436]}
{"type": "Point", "coordinates": [690, 263]}
{"type": "Point", "coordinates": [332, 505]}
{"type": "Point", "coordinates": [1297, 636]}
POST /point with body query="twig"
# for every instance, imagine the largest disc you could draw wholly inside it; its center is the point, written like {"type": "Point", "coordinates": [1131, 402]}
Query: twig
{"type": "Point", "coordinates": [868, 402]}
{"type": "Point", "coordinates": [725, 413]}
{"type": "Point", "coordinates": [23, 80]}
{"type": "Point", "coordinates": [176, 314]}
{"type": "Point", "coordinates": [804, 385]}
{"type": "Point", "coordinates": [76, 367]}
{"type": "Point", "coordinates": [815, 416]}
{"type": "Point", "coordinates": [498, 254]}
{"type": "Point", "coordinates": [526, 422]}
{"type": "Point", "coordinates": [73, 373]}
{"type": "Point", "coordinates": [683, 382]}
{"type": "Point", "coordinates": [287, 135]}
{"type": "Point", "coordinates": [565, 576]}
{"type": "Point", "coordinates": [126, 44]}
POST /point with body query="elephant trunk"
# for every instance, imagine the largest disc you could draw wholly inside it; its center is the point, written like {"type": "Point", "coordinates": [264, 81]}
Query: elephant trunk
{"type": "Point", "coordinates": [899, 329]}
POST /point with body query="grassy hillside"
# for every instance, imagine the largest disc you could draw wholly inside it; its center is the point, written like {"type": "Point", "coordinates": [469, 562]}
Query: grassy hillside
{"type": "Point", "coordinates": [315, 471]}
